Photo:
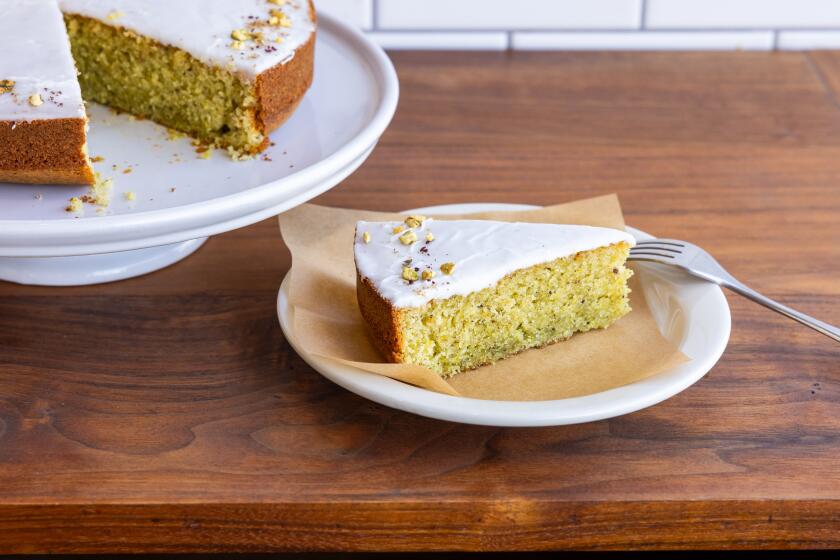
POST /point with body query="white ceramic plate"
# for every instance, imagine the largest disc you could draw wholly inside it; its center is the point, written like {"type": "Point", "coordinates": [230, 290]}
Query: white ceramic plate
{"type": "Point", "coordinates": [691, 313]}
{"type": "Point", "coordinates": [339, 121]}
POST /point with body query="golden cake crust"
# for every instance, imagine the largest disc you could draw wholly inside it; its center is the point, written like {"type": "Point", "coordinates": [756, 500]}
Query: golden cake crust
{"type": "Point", "coordinates": [383, 320]}
{"type": "Point", "coordinates": [280, 88]}
{"type": "Point", "coordinates": [50, 151]}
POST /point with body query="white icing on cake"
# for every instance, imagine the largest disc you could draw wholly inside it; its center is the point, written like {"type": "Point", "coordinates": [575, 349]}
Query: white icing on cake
{"type": "Point", "coordinates": [35, 54]}
{"type": "Point", "coordinates": [203, 27]}
{"type": "Point", "coordinates": [482, 251]}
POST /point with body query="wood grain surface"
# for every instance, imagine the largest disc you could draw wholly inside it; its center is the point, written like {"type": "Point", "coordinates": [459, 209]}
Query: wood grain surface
{"type": "Point", "coordinates": [168, 413]}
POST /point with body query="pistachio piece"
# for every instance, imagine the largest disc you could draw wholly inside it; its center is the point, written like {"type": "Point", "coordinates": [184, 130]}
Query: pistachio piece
{"type": "Point", "coordinates": [415, 221]}
{"type": "Point", "coordinates": [409, 274]}
{"type": "Point", "coordinates": [408, 238]}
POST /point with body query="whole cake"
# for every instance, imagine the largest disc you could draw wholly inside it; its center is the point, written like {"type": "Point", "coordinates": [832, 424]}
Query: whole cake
{"type": "Point", "coordinates": [42, 118]}
{"type": "Point", "coordinates": [455, 295]}
{"type": "Point", "coordinates": [225, 72]}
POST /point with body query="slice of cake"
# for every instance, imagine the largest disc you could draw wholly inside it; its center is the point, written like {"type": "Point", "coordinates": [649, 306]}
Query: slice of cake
{"type": "Point", "coordinates": [226, 72]}
{"type": "Point", "coordinates": [455, 295]}
{"type": "Point", "coordinates": [42, 117]}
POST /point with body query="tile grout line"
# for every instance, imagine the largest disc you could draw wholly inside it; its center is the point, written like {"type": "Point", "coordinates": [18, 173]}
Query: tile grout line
{"type": "Point", "coordinates": [509, 36]}
{"type": "Point", "coordinates": [374, 12]}
{"type": "Point", "coordinates": [582, 30]}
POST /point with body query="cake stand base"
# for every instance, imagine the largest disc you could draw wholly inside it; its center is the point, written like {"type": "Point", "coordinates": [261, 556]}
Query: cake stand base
{"type": "Point", "coordinates": [94, 269]}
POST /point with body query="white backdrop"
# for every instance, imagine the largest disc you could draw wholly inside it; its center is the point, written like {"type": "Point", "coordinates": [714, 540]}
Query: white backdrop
{"type": "Point", "coordinates": [595, 24]}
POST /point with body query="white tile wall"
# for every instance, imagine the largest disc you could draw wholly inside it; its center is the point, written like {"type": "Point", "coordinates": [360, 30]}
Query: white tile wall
{"type": "Point", "coordinates": [357, 12]}
{"type": "Point", "coordinates": [652, 41]}
{"type": "Point", "coordinates": [509, 14]}
{"type": "Point", "coordinates": [441, 40]}
{"type": "Point", "coordinates": [716, 14]}
{"type": "Point", "coordinates": [802, 40]}
{"type": "Point", "coordinates": [594, 24]}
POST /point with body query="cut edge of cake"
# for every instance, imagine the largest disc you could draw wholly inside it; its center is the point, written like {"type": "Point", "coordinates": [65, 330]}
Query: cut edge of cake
{"type": "Point", "coordinates": [46, 151]}
{"type": "Point", "coordinates": [43, 124]}
{"type": "Point", "coordinates": [230, 106]}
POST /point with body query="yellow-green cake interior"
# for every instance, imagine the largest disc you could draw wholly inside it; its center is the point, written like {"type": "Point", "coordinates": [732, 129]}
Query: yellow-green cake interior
{"type": "Point", "coordinates": [138, 75]}
{"type": "Point", "coordinates": [529, 308]}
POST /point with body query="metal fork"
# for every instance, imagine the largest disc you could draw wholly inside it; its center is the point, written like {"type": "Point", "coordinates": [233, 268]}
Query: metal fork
{"type": "Point", "coordinates": [698, 262]}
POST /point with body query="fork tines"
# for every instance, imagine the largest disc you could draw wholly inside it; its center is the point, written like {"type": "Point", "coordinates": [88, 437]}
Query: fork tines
{"type": "Point", "coordinates": [658, 248]}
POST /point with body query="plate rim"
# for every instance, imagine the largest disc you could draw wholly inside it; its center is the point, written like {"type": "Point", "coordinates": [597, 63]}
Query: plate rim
{"type": "Point", "coordinates": [517, 413]}
{"type": "Point", "coordinates": [41, 233]}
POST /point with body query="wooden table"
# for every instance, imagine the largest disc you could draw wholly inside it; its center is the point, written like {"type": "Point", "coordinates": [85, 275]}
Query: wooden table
{"type": "Point", "coordinates": [167, 413]}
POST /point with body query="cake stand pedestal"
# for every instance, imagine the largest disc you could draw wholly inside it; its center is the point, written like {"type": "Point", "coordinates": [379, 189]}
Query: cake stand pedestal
{"type": "Point", "coordinates": [94, 269]}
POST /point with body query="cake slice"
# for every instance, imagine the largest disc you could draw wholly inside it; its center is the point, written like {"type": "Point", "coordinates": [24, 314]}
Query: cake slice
{"type": "Point", "coordinates": [455, 295]}
{"type": "Point", "coordinates": [42, 118]}
{"type": "Point", "coordinates": [226, 72]}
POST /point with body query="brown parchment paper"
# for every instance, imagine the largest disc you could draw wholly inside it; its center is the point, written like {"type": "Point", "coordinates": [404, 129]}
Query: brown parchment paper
{"type": "Point", "coordinates": [327, 322]}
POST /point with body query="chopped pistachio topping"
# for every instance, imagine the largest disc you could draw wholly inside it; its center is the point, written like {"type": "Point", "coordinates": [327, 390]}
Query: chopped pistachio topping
{"type": "Point", "coordinates": [428, 274]}
{"type": "Point", "coordinates": [430, 237]}
{"type": "Point", "coordinates": [35, 100]}
{"type": "Point", "coordinates": [408, 238]}
{"type": "Point", "coordinates": [240, 35]}
{"type": "Point", "coordinates": [409, 274]}
{"type": "Point", "coordinates": [6, 86]}
{"type": "Point", "coordinates": [281, 18]}
{"type": "Point", "coordinates": [398, 229]}
{"type": "Point", "coordinates": [115, 15]}
{"type": "Point", "coordinates": [415, 221]}
{"type": "Point", "coordinates": [129, 195]}
{"type": "Point", "coordinates": [447, 268]}
{"type": "Point", "coordinates": [366, 237]}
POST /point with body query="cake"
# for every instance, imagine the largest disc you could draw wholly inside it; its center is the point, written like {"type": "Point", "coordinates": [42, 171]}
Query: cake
{"type": "Point", "coordinates": [455, 295]}
{"type": "Point", "coordinates": [42, 118]}
{"type": "Point", "coordinates": [225, 72]}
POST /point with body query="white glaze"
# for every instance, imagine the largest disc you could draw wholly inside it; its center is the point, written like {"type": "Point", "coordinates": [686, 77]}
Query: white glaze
{"type": "Point", "coordinates": [483, 252]}
{"type": "Point", "coordinates": [35, 54]}
{"type": "Point", "coordinates": [203, 27]}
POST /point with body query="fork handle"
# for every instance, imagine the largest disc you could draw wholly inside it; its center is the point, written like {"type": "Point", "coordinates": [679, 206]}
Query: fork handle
{"type": "Point", "coordinates": [820, 326]}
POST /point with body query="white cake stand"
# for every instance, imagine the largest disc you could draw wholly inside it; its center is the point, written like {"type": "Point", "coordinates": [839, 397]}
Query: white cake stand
{"type": "Point", "coordinates": [181, 198]}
